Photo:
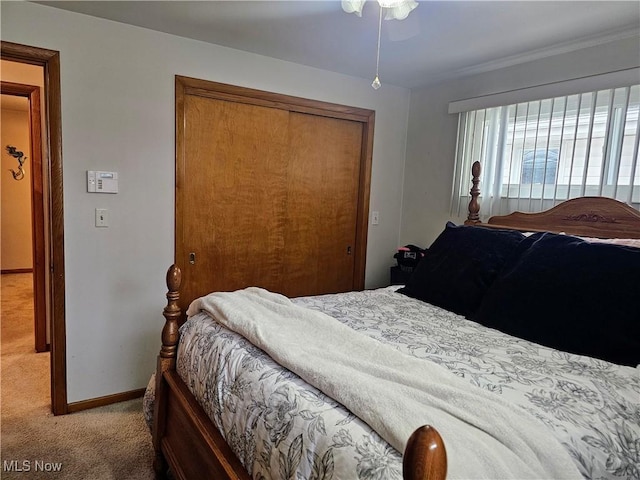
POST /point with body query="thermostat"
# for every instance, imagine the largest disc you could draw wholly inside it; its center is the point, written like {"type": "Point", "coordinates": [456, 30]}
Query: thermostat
{"type": "Point", "coordinates": [102, 182]}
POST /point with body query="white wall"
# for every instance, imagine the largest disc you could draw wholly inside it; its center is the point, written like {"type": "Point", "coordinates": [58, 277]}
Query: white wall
{"type": "Point", "coordinates": [118, 114]}
{"type": "Point", "coordinates": [431, 138]}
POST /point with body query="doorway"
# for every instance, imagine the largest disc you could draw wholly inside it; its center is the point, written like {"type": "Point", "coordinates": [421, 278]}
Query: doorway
{"type": "Point", "coordinates": [50, 228]}
{"type": "Point", "coordinates": [23, 212]}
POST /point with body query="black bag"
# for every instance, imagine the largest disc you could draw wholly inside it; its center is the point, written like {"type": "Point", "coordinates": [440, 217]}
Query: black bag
{"type": "Point", "coordinates": [408, 257]}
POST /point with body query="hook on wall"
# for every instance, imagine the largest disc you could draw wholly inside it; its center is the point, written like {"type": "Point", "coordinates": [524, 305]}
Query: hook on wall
{"type": "Point", "coordinates": [18, 155]}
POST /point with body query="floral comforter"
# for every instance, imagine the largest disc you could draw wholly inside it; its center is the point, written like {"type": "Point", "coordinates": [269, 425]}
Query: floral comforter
{"type": "Point", "coordinates": [280, 427]}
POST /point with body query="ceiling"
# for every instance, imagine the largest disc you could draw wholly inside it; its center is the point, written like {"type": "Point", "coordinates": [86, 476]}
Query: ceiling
{"type": "Point", "coordinates": [439, 40]}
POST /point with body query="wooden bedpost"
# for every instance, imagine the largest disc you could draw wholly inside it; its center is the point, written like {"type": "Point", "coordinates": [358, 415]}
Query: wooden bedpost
{"type": "Point", "coordinates": [425, 457]}
{"type": "Point", "coordinates": [474, 207]}
{"type": "Point", "coordinates": [166, 362]}
{"type": "Point", "coordinates": [172, 315]}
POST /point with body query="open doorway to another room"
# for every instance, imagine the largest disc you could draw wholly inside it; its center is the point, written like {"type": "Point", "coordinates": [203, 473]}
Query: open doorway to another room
{"type": "Point", "coordinates": [25, 336]}
{"type": "Point", "coordinates": [47, 204]}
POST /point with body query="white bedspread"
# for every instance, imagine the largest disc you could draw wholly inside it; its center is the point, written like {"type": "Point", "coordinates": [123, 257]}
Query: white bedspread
{"type": "Point", "coordinates": [393, 392]}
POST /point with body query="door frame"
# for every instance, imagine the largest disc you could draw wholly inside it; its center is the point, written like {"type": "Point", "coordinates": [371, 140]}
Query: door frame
{"type": "Point", "coordinates": [32, 93]}
{"type": "Point", "coordinates": [52, 157]}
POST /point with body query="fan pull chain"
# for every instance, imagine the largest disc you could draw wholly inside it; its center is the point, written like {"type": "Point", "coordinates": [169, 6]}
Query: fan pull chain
{"type": "Point", "coordinates": [376, 81]}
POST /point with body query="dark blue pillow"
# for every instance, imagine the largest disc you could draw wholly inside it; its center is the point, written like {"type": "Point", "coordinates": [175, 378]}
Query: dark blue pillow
{"type": "Point", "coordinates": [460, 266]}
{"type": "Point", "coordinates": [572, 295]}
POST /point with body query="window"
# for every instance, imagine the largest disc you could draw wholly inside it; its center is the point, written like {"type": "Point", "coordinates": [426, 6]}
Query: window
{"type": "Point", "coordinates": [539, 166]}
{"type": "Point", "coordinates": [537, 154]}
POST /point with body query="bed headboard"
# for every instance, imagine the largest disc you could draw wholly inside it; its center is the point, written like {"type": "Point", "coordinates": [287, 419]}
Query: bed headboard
{"type": "Point", "coordinates": [584, 216]}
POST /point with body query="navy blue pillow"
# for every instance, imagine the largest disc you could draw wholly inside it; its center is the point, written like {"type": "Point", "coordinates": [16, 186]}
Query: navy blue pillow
{"type": "Point", "coordinates": [460, 266]}
{"type": "Point", "coordinates": [572, 295]}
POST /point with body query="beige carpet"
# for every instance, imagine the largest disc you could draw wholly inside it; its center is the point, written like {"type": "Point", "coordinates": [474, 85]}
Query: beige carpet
{"type": "Point", "coordinates": [110, 442]}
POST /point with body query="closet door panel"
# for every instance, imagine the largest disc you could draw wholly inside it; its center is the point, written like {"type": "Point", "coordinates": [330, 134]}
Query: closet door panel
{"type": "Point", "coordinates": [322, 204]}
{"type": "Point", "coordinates": [233, 195]}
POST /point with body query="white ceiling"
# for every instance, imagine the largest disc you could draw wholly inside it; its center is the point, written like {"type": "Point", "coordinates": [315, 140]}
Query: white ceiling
{"type": "Point", "coordinates": [439, 39]}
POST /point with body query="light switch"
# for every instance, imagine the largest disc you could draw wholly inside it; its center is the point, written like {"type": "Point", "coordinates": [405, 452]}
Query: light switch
{"type": "Point", "coordinates": [102, 217]}
{"type": "Point", "coordinates": [375, 218]}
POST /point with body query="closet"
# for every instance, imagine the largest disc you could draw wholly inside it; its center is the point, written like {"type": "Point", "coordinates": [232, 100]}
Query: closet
{"type": "Point", "coordinates": [271, 191]}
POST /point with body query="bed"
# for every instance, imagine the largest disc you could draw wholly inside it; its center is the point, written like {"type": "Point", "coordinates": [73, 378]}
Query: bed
{"type": "Point", "coordinates": [501, 388]}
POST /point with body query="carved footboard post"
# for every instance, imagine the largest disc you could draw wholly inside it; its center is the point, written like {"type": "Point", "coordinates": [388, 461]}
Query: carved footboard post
{"type": "Point", "coordinates": [166, 362]}
{"type": "Point", "coordinates": [425, 457]}
{"type": "Point", "coordinates": [474, 206]}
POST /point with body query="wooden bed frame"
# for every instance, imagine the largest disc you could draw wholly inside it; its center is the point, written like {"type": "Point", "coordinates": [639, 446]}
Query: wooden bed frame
{"type": "Point", "coordinates": [187, 442]}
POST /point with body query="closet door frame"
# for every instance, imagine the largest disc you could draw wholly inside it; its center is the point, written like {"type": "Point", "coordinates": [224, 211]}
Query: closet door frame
{"type": "Point", "coordinates": [185, 86]}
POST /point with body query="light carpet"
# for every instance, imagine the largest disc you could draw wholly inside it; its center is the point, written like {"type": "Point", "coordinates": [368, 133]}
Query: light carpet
{"type": "Point", "coordinates": [110, 442]}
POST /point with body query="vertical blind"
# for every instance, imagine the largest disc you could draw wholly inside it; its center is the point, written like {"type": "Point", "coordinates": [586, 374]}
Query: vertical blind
{"type": "Point", "coordinates": [539, 153]}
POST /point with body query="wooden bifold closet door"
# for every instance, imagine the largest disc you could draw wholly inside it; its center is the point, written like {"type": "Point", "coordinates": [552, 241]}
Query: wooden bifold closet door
{"type": "Point", "coordinates": [271, 191]}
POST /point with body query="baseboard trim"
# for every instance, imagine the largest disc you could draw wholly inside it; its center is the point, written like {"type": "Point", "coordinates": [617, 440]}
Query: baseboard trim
{"type": "Point", "coordinates": [106, 400]}
{"type": "Point", "coordinates": [17, 270]}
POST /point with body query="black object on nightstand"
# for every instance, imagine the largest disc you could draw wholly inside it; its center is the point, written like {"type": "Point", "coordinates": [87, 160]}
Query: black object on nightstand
{"type": "Point", "coordinates": [408, 258]}
{"type": "Point", "coordinates": [399, 276]}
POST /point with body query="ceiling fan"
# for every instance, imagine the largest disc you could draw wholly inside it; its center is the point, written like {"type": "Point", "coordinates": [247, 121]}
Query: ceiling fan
{"type": "Point", "coordinates": [393, 10]}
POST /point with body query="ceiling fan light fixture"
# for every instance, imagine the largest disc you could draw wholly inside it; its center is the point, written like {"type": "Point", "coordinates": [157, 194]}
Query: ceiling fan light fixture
{"type": "Point", "coordinates": [353, 6]}
{"type": "Point", "coordinates": [395, 10]}
{"type": "Point", "coordinates": [398, 10]}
